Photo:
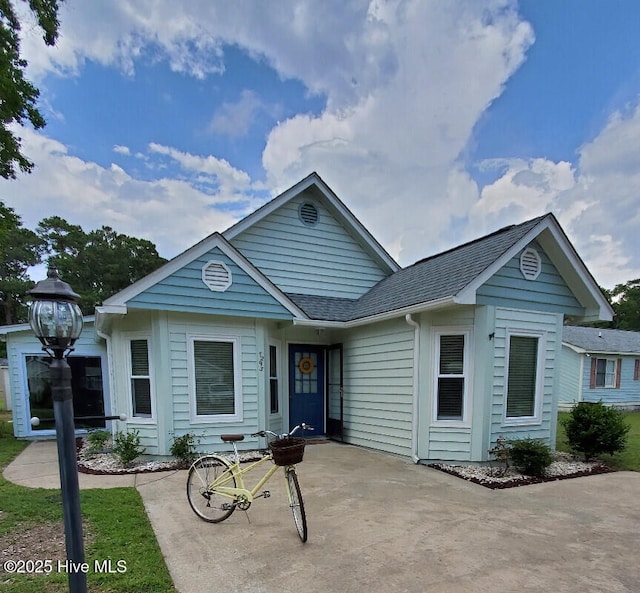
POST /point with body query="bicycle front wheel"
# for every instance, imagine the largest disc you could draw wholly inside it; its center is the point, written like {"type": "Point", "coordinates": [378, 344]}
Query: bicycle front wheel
{"type": "Point", "coordinates": [296, 503]}
{"type": "Point", "coordinates": [205, 474]}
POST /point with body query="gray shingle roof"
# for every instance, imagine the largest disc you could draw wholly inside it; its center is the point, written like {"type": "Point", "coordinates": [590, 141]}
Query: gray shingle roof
{"type": "Point", "coordinates": [430, 279]}
{"type": "Point", "coordinates": [593, 339]}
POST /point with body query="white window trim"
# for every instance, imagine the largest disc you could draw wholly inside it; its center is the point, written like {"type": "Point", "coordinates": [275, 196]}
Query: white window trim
{"type": "Point", "coordinates": [536, 419]}
{"type": "Point", "coordinates": [467, 332]}
{"type": "Point", "coordinates": [237, 379]}
{"type": "Point", "coordinates": [278, 347]}
{"type": "Point", "coordinates": [131, 418]}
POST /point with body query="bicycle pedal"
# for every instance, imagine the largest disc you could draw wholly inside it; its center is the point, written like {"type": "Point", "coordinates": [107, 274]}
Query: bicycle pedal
{"type": "Point", "coordinates": [266, 494]}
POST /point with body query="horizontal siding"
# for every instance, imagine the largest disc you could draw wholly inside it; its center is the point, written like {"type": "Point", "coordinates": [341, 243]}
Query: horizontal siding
{"type": "Point", "coordinates": [514, 320]}
{"type": "Point", "coordinates": [450, 444]}
{"type": "Point", "coordinates": [548, 293]}
{"type": "Point", "coordinates": [627, 393]}
{"type": "Point", "coordinates": [321, 260]}
{"type": "Point", "coordinates": [570, 376]}
{"type": "Point", "coordinates": [378, 387]}
{"type": "Point", "coordinates": [185, 291]}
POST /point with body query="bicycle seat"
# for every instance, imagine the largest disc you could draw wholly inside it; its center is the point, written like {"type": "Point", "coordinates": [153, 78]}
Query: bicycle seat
{"type": "Point", "coordinates": [232, 438]}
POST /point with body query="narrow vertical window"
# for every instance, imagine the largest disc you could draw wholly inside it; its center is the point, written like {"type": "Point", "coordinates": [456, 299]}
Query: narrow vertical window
{"type": "Point", "coordinates": [273, 380]}
{"type": "Point", "coordinates": [522, 385]}
{"type": "Point", "coordinates": [140, 379]}
{"type": "Point", "coordinates": [451, 379]}
{"type": "Point", "coordinates": [636, 370]}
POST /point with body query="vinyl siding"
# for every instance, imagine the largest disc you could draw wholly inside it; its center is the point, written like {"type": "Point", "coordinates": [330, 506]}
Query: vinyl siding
{"type": "Point", "coordinates": [548, 293]}
{"type": "Point", "coordinates": [628, 394]}
{"type": "Point", "coordinates": [570, 377]}
{"type": "Point", "coordinates": [550, 326]}
{"type": "Point", "coordinates": [321, 260]}
{"type": "Point", "coordinates": [185, 291]}
{"type": "Point", "coordinates": [378, 387]}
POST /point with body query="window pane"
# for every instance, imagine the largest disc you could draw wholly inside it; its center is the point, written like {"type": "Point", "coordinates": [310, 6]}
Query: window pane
{"type": "Point", "coordinates": [273, 361]}
{"type": "Point", "coordinates": [451, 355]}
{"type": "Point", "coordinates": [139, 358]}
{"type": "Point", "coordinates": [450, 396]}
{"type": "Point", "coordinates": [601, 371]}
{"type": "Point", "coordinates": [214, 378]}
{"type": "Point", "coordinates": [141, 390]}
{"type": "Point", "coordinates": [273, 392]}
{"type": "Point", "coordinates": [523, 364]}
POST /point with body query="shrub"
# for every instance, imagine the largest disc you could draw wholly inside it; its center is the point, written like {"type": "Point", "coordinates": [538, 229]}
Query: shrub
{"type": "Point", "coordinates": [97, 439]}
{"type": "Point", "coordinates": [127, 447]}
{"type": "Point", "coordinates": [593, 429]}
{"type": "Point", "coordinates": [531, 456]}
{"type": "Point", "coordinates": [184, 448]}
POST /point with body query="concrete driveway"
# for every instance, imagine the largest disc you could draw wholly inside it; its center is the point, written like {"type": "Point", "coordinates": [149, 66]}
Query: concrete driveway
{"type": "Point", "coordinates": [382, 524]}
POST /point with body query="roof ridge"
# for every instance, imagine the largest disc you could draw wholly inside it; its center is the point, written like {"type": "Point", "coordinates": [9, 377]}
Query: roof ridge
{"type": "Point", "coordinates": [479, 239]}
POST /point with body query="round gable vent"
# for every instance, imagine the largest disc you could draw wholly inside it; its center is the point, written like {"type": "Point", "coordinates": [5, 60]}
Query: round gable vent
{"type": "Point", "coordinates": [308, 214]}
{"type": "Point", "coordinates": [530, 264]}
{"type": "Point", "coordinates": [216, 276]}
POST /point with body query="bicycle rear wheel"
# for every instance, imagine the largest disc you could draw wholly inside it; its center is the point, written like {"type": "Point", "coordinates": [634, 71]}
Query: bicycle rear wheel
{"type": "Point", "coordinates": [205, 501]}
{"type": "Point", "coordinates": [296, 503]}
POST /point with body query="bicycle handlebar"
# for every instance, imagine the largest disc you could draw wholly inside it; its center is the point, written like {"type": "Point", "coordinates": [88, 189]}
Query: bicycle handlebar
{"type": "Point", "coordinates": [264, 433]}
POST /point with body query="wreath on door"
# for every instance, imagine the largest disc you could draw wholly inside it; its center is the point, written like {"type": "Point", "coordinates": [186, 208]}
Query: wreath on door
{"type": "Point", "coordinates": [306, 365]}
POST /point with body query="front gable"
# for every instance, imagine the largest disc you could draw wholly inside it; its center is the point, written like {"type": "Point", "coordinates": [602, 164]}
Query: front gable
{"type": "Point", "coordinates": [530, 280]}
{"type": "Point", "coordinates": [307, 242]}
{"type": "Point", "coordinates": [211, 284]}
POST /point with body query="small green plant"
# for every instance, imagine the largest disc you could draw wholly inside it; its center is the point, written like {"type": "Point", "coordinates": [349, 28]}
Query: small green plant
{"type": "Point", "coordinates": [97, 440]}
{"type": "Point", "coordinates": [593, 428]}
{"type": "Point", "coordinates": [183, 448]}
{"type": "Point", "coordinates": [531, 456]}
{"type": "Point", "coordinates": [127, 447]}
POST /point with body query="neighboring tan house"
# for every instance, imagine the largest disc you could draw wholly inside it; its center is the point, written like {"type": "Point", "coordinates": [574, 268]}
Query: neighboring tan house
{"type": "Point", "coordinates": [600, 365]}
{"type": "Point", "coordinates": [296, 313]}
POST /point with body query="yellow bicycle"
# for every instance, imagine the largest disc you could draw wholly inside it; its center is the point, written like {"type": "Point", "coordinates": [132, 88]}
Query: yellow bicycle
{"type": "Point", "coordinates": [215, 485]}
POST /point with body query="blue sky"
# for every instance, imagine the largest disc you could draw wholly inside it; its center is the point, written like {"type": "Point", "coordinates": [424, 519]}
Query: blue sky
{"type": "Point", "coordinates": [435, 122]}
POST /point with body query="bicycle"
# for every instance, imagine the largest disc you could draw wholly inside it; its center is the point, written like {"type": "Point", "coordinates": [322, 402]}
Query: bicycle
{"type": "Point", "coordinates": [215, 484]}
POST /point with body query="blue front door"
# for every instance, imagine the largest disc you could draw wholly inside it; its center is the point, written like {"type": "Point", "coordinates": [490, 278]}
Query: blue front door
{"type": "Point", "coordinates": [306, 386]}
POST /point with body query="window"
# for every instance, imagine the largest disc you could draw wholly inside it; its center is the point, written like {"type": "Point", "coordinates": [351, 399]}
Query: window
{"type": "Point", "coordinates": [636, 370]}
{"type": "Point", "coordinates": [523, 382]}
{"type": "Point", "coordinates": [451, 376]}
{"type": "Point", "coordinates": [273, 380]}
{"type": "Point", "coordinates": [215, 383]}
{"type": "Point", "coordinates": [605, 373]}
{"type": "Point", "coordinates": [140, 378]}
{"type": "Point", "coordinates": [86, 386]}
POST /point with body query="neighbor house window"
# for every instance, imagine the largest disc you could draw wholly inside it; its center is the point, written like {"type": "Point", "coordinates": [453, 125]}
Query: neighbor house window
{"type": "Point", "coordinates": [636, 370]}
{"type": "Point", "coordinates": [451, 376]}
{"type": "Point", "coordinates": [605, 372]}
{"type": "Point", "coordinates": [215, 380]}
{"type": "Point", "coordinates": [140, 378]}
{"type": "Point", "coordinates": [274, 392]}
{"type": "Point", "coordinates": [523, 381]}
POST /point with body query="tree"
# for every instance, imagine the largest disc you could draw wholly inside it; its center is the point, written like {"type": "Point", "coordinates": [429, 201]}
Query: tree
{"type": "Point", "coordinates": [18, 96]}
{"type": "Point", "coordinates": [99, 263]}
{"type": "Point", "coordinates": [20, 249]}
{"type": "Point", "coordinates": [625, 299]}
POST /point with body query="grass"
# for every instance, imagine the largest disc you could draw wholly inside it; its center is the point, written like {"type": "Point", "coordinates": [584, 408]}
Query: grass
{"type": "Point", "coordinates": [115, 519]}
{"type": "Point", "coordinates": [629, 459]}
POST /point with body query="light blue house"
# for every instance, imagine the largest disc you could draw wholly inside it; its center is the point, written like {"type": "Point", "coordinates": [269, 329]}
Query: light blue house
{"type": "Point", "coordinates": [600, 365]}
{"type": "Point", "coordinates": [297, 313]}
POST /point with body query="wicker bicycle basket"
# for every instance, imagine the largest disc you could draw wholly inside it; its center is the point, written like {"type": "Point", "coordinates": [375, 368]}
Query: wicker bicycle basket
{"type": "Point", "coordinates": [287, 451]}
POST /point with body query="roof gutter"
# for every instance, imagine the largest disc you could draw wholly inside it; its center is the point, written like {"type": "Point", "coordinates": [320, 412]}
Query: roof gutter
{"type": "Point", "coordinates": [402, 312]}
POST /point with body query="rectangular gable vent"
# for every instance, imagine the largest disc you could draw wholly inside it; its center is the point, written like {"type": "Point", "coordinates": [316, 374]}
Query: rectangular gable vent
{"type": "Point", "coordinates": [216, 276]}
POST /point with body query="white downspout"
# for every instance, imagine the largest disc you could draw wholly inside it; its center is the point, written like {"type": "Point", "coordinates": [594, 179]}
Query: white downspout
{"type": "Point", "coordinates": [416, 391]}
{"type": "Point", "coordinates": [107, 338]}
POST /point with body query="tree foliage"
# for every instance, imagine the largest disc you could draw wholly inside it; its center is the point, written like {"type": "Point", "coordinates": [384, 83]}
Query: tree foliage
{"type": "Point", "coordinates": [20, 249]}
{"type": "Point", "coordinates": [99, 263]}
{"type": "Point", "coordinates": [18, 96]}
{"type": "Point", "coordinates": [625, 300]}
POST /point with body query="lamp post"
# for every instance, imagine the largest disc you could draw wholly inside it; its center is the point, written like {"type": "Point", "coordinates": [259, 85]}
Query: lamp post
{"type": "Point", "coordinates": [56, 319]}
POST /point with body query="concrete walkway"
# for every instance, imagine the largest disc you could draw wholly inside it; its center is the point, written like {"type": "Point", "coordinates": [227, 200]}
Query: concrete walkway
{"type": "Point", "coordinates": [382, 524]}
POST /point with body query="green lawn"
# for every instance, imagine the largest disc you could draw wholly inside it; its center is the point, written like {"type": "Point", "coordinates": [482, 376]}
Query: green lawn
{"type": "Point", "coordinates": [117, 528]}
{"type": "Point", "coordinates": [629, 459]}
